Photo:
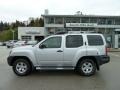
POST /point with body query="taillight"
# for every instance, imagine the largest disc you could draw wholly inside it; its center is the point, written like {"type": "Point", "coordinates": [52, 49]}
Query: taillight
{"type": "Point", "coordinates": [107, 50]}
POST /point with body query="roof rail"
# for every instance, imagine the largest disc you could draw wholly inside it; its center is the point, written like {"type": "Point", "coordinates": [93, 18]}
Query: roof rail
{"type": "Point", "coordinates": [78, 32]}
{"type": "Point", "coordinates": [73, 32]}
{"type": "Point", "coordinates": [61, 32]}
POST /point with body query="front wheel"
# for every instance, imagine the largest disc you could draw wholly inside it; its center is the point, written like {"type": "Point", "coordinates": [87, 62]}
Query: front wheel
{"type": "Point", "coordinates": [86, 67]}
{"type": "Point", "coordinates": [21, 67]}
{"type": "Point", "coordinates": [8, 46]}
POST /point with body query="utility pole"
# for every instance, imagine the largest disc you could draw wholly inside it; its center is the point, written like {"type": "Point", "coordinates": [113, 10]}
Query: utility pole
{"type": "Point", "coordinates": [13, 34]}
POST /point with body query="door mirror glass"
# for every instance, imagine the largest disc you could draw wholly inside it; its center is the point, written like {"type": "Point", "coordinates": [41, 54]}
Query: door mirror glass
{"type": "Point", "coordinates": [42, 46]}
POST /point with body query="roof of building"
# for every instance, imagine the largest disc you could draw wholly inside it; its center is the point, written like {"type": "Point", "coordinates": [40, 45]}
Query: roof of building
{"type": "Point", "coordinates": [50, 15]}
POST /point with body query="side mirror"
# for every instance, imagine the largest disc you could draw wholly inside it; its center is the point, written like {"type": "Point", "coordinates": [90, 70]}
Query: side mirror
{"type": "Point", "coordinates": [42, 46]}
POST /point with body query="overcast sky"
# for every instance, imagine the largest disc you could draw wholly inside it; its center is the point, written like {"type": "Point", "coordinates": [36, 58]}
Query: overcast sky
{"type": "Point", "coordinates": [11, 10]}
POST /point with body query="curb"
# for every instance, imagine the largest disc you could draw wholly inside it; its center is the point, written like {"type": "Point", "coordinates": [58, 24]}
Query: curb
{"type": "Point", "coordinates": [114, 50]}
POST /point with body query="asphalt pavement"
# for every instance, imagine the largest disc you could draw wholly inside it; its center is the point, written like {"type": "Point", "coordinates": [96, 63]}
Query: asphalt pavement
{"type": "Point", "coordinates": [108, 78]}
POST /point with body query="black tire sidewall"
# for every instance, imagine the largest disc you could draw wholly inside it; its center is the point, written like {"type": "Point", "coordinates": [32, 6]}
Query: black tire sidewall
{"type": "Point", "coordinates": [28, 67]}
{"type": "Point", "coordinates": [8, 46]}
{"type": "Point", "coordinates": [79, 67]}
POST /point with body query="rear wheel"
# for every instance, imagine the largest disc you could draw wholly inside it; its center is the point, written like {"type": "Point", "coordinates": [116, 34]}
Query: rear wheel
{"type": "Point", "coordinates": [86, 67]}
{"type": "Point", "coordinates": [22, 67]}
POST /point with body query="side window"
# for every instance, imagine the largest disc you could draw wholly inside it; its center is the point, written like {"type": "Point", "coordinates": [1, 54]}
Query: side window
{"type": "Point", "coordinates": [94, 40]}
{"type": "Point", "coordinates": [73, 41]}
{"type": "Point", "coordinates": [53, 42]}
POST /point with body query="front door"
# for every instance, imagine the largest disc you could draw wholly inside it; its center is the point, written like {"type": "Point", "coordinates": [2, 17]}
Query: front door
{"type": "Point", "coordinates": [50, 53]}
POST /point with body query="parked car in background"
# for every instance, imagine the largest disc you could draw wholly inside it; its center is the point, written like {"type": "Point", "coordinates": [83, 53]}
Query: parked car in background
{"type": "Point", "coordinates": [19, 44]}
{"type": "Point", "coordinates": [10, 43]}
{"type": "Point", "coordinates": [31, 42]}
{"type": "Point", "coordinates": [1, 43]}
{"type": "Point", "coordinates": [5, 43]}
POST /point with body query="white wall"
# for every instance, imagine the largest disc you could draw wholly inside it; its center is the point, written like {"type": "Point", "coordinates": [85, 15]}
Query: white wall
{"type": "Point", "coordinates": [31, 31]}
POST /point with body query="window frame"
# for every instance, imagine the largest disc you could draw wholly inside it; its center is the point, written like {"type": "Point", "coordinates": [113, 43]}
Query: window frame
{"type": "Point", "coordinates": [92, 40]}
{"type": "Point", "coordinates": [49, 38]}
{"type": "Point", "coordinates": [73, 35]}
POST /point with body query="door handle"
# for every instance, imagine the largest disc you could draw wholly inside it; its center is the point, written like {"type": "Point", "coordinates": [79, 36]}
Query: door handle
{"type": "Point", "coordinates": [59, 51]}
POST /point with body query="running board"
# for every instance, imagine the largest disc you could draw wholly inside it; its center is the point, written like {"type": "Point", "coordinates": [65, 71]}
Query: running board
{"type": "Point", "coordinates": [54, 68]}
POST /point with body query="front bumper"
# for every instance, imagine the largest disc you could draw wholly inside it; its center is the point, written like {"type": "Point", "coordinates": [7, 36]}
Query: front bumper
{"type": "Point", "coordinates": [103, 59]}
{"type": "Point", "coordinates": [9, 60]}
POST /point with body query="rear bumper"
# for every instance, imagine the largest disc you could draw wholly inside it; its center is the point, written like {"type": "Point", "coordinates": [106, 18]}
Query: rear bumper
{"type": "Point", "coordinates": [103, 59]}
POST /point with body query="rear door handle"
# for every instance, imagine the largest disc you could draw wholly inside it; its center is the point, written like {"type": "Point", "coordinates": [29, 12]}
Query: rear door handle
{"type": "Point", "coordinates": [59, 51]}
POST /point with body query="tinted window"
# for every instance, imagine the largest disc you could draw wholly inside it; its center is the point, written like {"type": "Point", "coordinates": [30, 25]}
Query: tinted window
{"type": "Point", "coordinates": [74, 41]}
{"type": "Point", "coordinates": [94, 40]}
{"type": "Point", "coordinates": [53, 42]}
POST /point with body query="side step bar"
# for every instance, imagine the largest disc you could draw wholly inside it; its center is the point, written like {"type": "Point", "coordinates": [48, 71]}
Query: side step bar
{"type": "Point", "coordinates": [54, 68]}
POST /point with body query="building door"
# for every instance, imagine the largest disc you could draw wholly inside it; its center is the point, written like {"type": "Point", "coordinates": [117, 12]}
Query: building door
{"type": "Point", "coordinates": [116, 41]}
{"type": "Point", "coordinates": [117, 38]}
{"type": "Point", "coordinates": [119, 41]}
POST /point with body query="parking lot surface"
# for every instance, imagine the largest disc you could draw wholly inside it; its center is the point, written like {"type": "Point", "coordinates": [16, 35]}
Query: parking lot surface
{"type": "Point", "coordinates": [108, 78]}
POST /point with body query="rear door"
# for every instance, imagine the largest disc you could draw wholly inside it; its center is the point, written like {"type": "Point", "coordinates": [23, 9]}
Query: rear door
{"type": "Point", "coordinates": [73, 43]}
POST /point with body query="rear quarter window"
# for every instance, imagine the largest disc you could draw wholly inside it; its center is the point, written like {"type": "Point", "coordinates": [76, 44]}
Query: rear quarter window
{"type": "Point", "coordinates": [94, 40]}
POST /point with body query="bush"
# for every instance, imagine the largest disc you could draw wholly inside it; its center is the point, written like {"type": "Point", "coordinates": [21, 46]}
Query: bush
{"type": "Point", "coordinates": [8, 35]}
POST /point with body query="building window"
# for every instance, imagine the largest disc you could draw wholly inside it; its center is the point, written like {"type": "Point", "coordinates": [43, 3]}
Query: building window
{"type": "Point", "coordinates": [51, 31]}
{"type": "Point", "coordinates": [75, 29]}
{"type": "Point", "coordinates": [102, 21]}
{"type": "Point", "coordinates": [84, 29]}
{"type": "Point", "coordinates": [84, 20]}
{"type": "Point", "coordinates": [75, 20]}
{"type": "Point", "coordinates": [101, 30]}
{"type": "Point", "coordinates": [58, 20]}
{"type": "Point", "coordinates": [110, 21]}
{"type": "Point", "coordinates": [57, 30]}
{"type": "Point", "coordinates": [117, 21]}
{"type": "Point", "coordinates": [68, 29]}
{"type": "Point", "coordinates": [26, 38]}
{"type": "Point", "coordinates": [93, 20]}
{"type": "Point", "coordinates": [68, 20]}
{"type": "Point", "coordinates": [108, 31]}
{"type": "Point", "coordinates": [51, 20]}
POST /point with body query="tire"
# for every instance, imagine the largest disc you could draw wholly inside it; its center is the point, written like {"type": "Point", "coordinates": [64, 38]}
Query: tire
{"type": "Point", "coordinates": [8, 46]}
{"type": "Point", "coordinates": [86, 67]}
{"type": "Point", "coordinates": [22, 67]}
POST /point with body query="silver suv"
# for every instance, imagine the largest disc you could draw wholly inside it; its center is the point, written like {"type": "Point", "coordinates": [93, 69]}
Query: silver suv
{"type": "Point", "coordinates": [83, 53]}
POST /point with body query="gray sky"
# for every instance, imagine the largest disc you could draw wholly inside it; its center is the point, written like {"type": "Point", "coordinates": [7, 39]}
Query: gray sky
{"type": "Point", "coordinates": [11, 10]}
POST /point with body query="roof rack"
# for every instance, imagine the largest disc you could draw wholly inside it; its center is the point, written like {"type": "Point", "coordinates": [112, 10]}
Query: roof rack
{"type": "Point", "coordinates": [61, 32]}
{"type": "Point", "coordinates": [79, 32]}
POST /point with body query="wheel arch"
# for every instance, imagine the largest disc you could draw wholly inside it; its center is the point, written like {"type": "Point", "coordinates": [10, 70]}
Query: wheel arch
{"type": "Point", "coordinates": [22, 57]}
{"type": "Point", "coordinates": [89, 57]}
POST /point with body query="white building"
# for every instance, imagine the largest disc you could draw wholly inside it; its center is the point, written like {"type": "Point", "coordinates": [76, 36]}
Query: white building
{"type": "Point", "coordinates": [31, 33]}
{"type": "Point", "coordinates": [109, 26]}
